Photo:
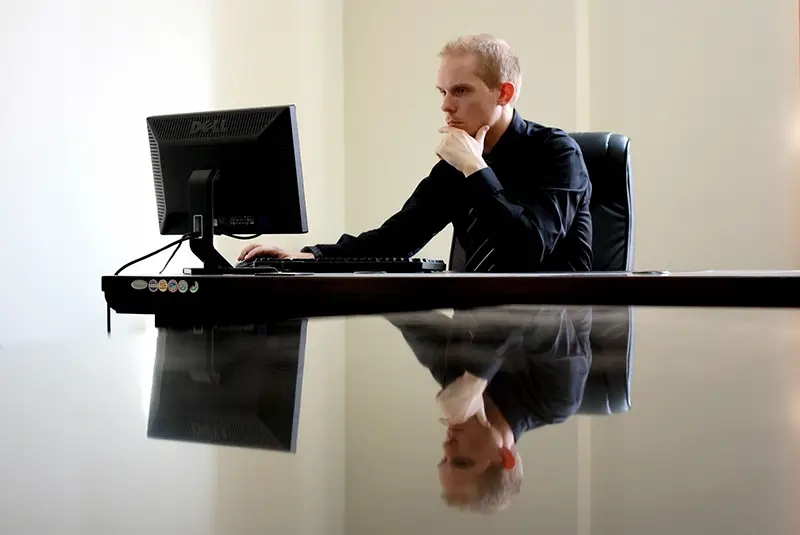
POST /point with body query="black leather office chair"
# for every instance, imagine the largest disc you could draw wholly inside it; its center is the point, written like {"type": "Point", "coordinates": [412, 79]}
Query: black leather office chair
{"type": "Point", "coordinates": [607, 158]}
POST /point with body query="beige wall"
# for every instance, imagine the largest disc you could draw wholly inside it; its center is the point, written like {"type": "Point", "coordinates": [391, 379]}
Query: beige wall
{"type": "Point", "coordinates": [708, 93]}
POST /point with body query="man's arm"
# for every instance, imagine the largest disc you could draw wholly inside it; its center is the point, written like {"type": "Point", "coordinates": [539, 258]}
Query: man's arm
{"type": "Point", "coordinates": [422, 216]}
{"type": "Point", "coordinates": [490, 336]}
{"type": "Point", "coordinates": [548, 371]}
{"type": "Point", "coordinates": [538, 213]}
{"type": "Point", "coordinates": [464, 371]}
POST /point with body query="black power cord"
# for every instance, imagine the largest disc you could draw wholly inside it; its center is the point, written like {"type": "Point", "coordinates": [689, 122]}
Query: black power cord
{"type": "Point", "coordinates": [177, 242]}
{"type": "Point", "coordinates": [237, 237]}
{"type": "Point", "coordinates": [171, 257]}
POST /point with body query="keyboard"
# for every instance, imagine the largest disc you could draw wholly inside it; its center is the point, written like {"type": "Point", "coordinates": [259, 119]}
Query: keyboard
{"type": "Point", "coordinates": [341, 265]}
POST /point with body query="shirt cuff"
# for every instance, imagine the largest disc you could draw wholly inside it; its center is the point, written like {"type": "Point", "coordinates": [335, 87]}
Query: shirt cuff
{"type": "Point", "coordinates": [484, 182]}
{"type": "Point", "coordinates": [312, 249]}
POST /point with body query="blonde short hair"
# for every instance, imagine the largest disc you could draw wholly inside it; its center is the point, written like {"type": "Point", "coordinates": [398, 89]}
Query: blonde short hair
{"type": "Point", "coordinates": [498, 63]}
{"type": "Point", "coordinates": [495, 489]}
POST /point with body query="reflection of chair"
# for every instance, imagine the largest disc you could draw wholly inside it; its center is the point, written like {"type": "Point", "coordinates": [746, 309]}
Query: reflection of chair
{"type": "Point", "coordinates": [608, 386]}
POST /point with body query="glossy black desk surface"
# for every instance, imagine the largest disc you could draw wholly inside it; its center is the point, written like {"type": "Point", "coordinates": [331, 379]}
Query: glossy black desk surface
{"type": "Point", "coordinates": [248, 296]}
{"type": "Point", "coordinates": [686, 421]}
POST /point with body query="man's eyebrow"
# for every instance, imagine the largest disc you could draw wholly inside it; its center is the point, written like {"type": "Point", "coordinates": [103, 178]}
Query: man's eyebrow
{"type": "Point", "coordinates": [457, 86]}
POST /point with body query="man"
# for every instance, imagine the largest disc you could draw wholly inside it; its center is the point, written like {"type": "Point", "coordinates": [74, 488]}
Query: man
{"type": "Point", "coordinates": [516, 192]}
{"type": "Point", "coordinates": [504, 372]}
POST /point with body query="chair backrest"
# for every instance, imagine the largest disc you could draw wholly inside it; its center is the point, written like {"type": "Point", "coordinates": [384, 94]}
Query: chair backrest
{"type": "Point", "coordinates": [607, 158]}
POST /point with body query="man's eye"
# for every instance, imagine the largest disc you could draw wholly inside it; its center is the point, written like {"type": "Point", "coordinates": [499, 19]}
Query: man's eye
{"type": "Point", "coordinates": [462, 463]}
{"type": "Point", "coordinates": [459, 91]}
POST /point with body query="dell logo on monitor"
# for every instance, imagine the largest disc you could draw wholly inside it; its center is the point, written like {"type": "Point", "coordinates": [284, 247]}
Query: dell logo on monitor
{"type": "Point", "coordinates": [217, 126]}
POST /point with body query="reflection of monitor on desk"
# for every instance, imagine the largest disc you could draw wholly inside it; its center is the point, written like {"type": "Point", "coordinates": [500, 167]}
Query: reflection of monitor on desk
{"type": "Point", "coordinates": [232, 385]}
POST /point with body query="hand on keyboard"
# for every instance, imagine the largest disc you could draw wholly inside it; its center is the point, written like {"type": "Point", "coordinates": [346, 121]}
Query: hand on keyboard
{"type": "Point", "coordinates": [254, 249]}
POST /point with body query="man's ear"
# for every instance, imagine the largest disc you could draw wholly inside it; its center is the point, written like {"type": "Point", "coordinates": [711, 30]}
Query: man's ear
{"type": "Point", "coordinates": [508, 459]}
{"type": "Point", "coordinates": [507, 92]}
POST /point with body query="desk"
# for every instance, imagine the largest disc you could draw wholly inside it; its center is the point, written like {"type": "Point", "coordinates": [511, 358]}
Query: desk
{"type": "Point", "coordinates": [326, 426]}
{"type": "Point", "coordinates": [241, 297]}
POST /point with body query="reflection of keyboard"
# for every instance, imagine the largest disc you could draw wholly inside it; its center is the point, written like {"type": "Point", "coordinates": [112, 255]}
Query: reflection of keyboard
{"type": "Point", "coordinates": [342, 265]}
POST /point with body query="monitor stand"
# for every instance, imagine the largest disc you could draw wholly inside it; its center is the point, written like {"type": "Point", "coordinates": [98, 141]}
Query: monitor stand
{"type": "Point", "coordinates": [201, 206]}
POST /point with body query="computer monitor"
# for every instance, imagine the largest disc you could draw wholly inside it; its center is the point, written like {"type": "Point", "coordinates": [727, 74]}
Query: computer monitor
{"type": "Point", "coordinates": [227, 172]}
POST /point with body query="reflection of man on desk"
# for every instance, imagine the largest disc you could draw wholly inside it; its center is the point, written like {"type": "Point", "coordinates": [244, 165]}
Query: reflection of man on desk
{"type": "Point", "coordinates": [516, 192]}
{"type": "Point", "coordinates": [503, 373]}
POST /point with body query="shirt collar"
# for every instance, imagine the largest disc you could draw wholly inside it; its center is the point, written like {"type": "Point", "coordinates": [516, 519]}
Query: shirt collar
{"type": "Point", "coordinates": [515, 129]}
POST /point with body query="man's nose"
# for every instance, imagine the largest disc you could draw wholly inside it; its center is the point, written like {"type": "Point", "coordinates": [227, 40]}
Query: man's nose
{"type": "Point", "coordinates": [447, 105]}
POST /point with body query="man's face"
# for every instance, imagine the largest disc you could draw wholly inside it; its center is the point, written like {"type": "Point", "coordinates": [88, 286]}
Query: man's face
{"type": "Point", "coordinates": [469, 450]}
{"type": "Point", "coordinates": [467, 102]}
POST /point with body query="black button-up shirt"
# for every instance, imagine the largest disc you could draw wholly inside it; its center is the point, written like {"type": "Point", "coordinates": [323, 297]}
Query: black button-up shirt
{"type": "Point", "coordinates": [532, 201]}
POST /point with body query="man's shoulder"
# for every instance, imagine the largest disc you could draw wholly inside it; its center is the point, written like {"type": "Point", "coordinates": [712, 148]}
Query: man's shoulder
{"type": "Point", "coordinates": [549, 145]}
{"type": "Point", "coordinates": [547, 137]}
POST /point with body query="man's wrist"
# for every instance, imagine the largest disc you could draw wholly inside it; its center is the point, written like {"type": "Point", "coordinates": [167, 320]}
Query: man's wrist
{"type": "Point", "coordinates": [475, 380]}
{"type": "Point", "coordinates": [313, 250]}
{"type": "Point", "coordinates": [474, 166]}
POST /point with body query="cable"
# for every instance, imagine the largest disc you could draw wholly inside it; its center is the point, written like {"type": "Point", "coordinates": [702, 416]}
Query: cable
{"type": "Point", "coordinates": [171, 257]}
{"type": "Point", "coordinates": [145, 257]}
{"type": "Point", "coordinates": [177, 242]}
{"type": "Point", "coordinates": [250, 237]}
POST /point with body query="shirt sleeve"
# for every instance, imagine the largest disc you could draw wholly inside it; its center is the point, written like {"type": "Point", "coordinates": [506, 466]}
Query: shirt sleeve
{"type": "Point", "coordinates": [424, 214]}
{"type": "Point", "coordinates": [430, 333]}
{"type": "Point", "coordinates": [533, 218]}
